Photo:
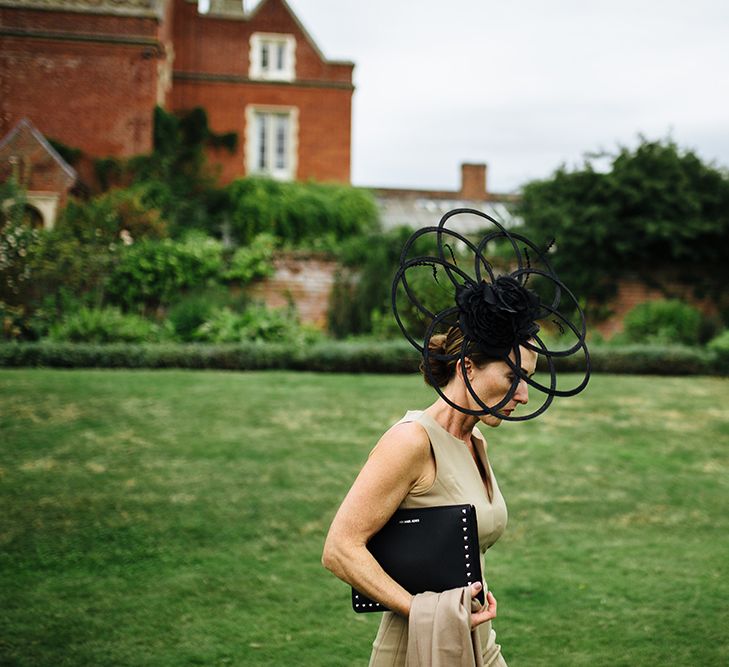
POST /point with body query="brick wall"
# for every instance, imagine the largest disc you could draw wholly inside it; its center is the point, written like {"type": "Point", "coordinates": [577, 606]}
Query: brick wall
{"type": "Point", "coordinates": [633, 291]}
{"type": "Point", "coordinates": [306, 281]}
{"type": "Point", "coordinates": [88, 80]}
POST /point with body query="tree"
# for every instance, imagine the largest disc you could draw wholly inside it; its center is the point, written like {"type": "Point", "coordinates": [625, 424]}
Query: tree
{"type": "Point", "coordinates": [657, 208]}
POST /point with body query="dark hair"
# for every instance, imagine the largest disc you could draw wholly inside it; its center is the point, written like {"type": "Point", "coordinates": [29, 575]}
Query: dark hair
{"type": "Point", "coordinates": [450, 343]}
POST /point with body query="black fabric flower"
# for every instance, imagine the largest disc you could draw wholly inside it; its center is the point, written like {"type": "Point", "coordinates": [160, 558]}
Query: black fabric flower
{"type": "Point", "coordinates": [497, 316]}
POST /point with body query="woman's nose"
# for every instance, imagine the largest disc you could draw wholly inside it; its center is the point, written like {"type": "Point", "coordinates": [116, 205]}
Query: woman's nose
{"type": "Point", "coordinates": [522, 393]}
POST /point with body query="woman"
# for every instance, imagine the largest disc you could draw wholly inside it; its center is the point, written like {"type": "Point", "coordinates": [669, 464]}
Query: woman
{"type": "Point", "coordinates": [481, 368]}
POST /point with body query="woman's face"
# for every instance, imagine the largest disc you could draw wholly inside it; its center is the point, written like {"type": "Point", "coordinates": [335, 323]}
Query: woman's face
{"type": "Point", "coordinates": [493, 381]}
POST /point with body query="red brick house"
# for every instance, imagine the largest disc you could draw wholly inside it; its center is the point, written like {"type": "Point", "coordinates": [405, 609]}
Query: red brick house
{"type": "Point", "coordinates": [88, 73]}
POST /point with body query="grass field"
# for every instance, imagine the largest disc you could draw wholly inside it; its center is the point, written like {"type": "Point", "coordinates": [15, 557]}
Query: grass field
{"type": "Point", "coordinates": [176, 518]}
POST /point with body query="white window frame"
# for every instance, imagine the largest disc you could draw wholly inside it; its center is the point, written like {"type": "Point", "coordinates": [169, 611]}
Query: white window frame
{"type": "Point", "coordinates": [253, 142]}
{"type": "Point", "coordinates": [279, 47]}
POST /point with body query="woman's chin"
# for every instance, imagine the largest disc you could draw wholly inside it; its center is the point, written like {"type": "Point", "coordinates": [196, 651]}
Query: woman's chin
{"type": "Point", "coordinates": [490, 420]}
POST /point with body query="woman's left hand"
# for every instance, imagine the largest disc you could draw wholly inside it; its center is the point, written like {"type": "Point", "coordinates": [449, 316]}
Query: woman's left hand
{"type": "Point", "coordinates": [486, 613]}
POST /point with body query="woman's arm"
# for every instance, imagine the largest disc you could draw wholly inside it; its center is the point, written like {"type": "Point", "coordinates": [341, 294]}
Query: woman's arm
{"type": "Point", "coordinates": [400, 459]}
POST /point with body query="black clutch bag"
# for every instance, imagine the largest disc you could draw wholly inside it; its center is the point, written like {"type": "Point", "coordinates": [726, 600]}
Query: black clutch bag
{"type": "Point", "coordinates": [426, 549]}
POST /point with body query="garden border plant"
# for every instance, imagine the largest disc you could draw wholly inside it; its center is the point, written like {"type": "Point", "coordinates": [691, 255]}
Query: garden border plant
{"type": "Point", "coordinates": [332, 357]}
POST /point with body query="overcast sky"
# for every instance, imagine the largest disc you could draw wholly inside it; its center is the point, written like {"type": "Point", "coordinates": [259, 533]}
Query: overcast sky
{"type": "Point", "coordinates": [524, 85]}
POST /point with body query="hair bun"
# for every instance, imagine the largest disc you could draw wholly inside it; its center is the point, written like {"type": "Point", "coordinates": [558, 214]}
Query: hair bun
{"type": "Point", "coordinates": [440, 370]}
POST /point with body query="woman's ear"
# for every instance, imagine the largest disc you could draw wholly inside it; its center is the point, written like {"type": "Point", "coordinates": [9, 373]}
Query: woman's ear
{"type": "Point", "coordinates": [468, 367]}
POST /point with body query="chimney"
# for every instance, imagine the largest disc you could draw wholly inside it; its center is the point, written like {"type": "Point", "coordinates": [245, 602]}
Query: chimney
{"type": "Point", "coordinates": [473, 181]}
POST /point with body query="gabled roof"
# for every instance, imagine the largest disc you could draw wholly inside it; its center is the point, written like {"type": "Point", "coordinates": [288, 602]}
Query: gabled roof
{"type": "Point", "coordinates": [252, 14]}
{"type": "Point", "coordinates": [25, 125]}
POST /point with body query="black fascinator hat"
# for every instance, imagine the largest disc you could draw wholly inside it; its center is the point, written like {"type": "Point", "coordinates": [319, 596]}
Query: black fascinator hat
{"type": "Point", "coordinates": [496, 311]}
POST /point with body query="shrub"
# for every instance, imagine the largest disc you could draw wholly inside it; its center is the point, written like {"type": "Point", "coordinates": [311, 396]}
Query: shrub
{"type": "Point", "coordinates": [33, 320]}
{"type": "Point", "coordinates": [113, 216]}
{"type": "Point", "coordinates": [719, 346]}
{"type": "Point", "coordinates": [17, 241]}
{"type": "Point", "coordinates": [12, 319]}
{"type": "Point", "coordinates": [193, 309]}
{"type": "Point", "coordinates": [361, 300]}
{"type": "Point", "coordinates": [152, 273]}
{"type": "Point", "coordinates": [252, 261]}
{"type": "Point", "coordinates": [67, 273]}
{"type": "Point", "coordinates": [362, 285]}
{"type": "Point", "coordinates": [104, 325]}
{"type": "Point", "coordinates": [44, 274]}
{"type": "Point", "coordinates": [662, 321]}
{"type": "Point", "coordinates": [313, 215]}
{"type": "Point", "coordinates": [255, 323]}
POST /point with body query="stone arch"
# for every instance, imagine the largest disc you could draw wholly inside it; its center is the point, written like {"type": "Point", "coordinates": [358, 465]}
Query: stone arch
{"type": "Point", "coordinates": [39, 211]}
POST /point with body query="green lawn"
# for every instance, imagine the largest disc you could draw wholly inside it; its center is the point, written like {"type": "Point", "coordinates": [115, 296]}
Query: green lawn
{"type": "Point", "coordinates": [170, 518]}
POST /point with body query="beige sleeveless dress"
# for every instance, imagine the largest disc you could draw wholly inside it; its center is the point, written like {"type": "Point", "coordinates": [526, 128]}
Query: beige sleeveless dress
{"type": "Point", "coordinates": [457, 481]}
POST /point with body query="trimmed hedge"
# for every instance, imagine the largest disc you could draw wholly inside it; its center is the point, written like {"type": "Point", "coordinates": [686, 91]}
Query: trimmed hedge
{"type": "Point", "coordinates": [148, 355]}
{"type": "Point", "coordinates": [642, 359]}
{"type": "Point", "coordinates": [331, 357]}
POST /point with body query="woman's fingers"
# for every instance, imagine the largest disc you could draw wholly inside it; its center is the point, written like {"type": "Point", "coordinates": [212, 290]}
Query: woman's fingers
{"type": "Point", "coordinates": [487, 613]}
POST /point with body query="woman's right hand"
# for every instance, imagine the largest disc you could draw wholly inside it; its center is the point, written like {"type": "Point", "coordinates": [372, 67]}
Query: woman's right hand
{"type": "Point", "coordinates": [485, 613]}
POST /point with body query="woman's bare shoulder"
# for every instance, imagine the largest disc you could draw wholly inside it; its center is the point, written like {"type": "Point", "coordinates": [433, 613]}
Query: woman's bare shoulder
{"type": "Point", "coordinates": [409, 439]}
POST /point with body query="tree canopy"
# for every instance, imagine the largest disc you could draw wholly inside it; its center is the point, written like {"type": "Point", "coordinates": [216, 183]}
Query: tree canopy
{"type": "Point", "coordinates": [657, 208]}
